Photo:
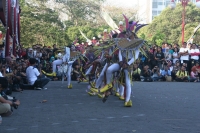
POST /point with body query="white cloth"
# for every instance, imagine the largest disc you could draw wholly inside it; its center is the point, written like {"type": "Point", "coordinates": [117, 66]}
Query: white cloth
{"type": "Point", "coordinates": [32, 74]}
{"type": "Point", "coordinates": [184, 57]}
{"type": "Point", "coordinates": [175, 54]}
{"type": "Point", "coordinates": [69, 70]}
{"type": "Point", "coordinates": [1, 75]}
{"type": "Point", "coordinates": [109, 73]}
{"type": "Point", "coordinates": [128, 86]}
{"type": "Point", "coordinates": [194, 51]}
{"type": "Point", "coordinates": [55, 63]}
{"type": "Point", "coordinates": [101, 77]}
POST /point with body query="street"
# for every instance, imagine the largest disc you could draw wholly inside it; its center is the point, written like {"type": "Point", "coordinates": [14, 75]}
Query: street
{"type": "Point", "coordinates": [158, 107]}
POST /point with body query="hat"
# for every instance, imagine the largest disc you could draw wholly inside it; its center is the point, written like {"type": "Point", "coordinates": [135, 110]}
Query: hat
{"type": "Point", "coordinates": [30, 49]}
{"type": "Point", "coordinates": [121, 23]}
{"type": "Point", "coordinates": [93, 38]}
{"type": "Point", "coordinates": [59, 55]}
{"type": "Point", "coordinates": [105, 30]}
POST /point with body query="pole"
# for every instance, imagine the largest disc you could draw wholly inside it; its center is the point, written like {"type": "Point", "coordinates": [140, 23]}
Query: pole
{"type": "Point", "coordinates": [183, 24]}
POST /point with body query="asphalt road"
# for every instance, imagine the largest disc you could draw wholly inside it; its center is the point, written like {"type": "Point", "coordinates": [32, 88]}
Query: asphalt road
{"type": "Point", "coordinates": [158, 107]}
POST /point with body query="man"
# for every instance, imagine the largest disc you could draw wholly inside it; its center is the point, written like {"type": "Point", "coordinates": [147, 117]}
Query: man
{"type": "Point", "coordinates": [33, 75]}
{"type": "Point", "coordinates": [166, 74]}
{"type": "Point", "coordinates": [194, 52]}
{"type": "Point", "coordinates": [184, 55]}
{"type": "Point", "coordinates": [5, 105]}
{"type": "Point", "coordinates": [182, 75]}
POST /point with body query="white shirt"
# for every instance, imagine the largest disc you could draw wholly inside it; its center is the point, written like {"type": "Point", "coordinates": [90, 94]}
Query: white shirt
{"type": "Point", "coordinates": [174, 55]}
{"type": "Point", "coordinates": [184, 57]}
{"type": "Point", "coordinates": [32, 74]}
{"type": "Point", "coordinates": [1, 75]}
{"type": "Point", "coordinates": [194, 51]}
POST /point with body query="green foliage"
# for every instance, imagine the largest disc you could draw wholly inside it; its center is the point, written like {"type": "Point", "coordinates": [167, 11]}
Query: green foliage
{"type": "Point", "coordinates": [169, 25]}
{"type": "Point", "coordinates": [42, 25]}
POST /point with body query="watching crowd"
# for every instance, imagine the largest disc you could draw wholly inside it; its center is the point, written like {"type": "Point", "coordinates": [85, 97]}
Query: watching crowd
{"type": "Point", "coordinates": [166, 63]}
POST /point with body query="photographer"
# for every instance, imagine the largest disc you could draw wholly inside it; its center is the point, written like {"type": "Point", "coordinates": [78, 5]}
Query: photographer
{"type": "Point", "coordinates": [34, 77]}
{"type": "Point", "coordinates": [146, 74]}
{"type": "Point", "coordinates": [5, 105]}
{"type": "Point", "coordinates": [156, 73]}
{"type": "Point", "coordinates": [166, 74]}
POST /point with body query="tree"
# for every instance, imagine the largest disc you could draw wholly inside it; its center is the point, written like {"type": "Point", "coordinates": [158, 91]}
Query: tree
{"type": "Point", "coordinates": [169, 23]}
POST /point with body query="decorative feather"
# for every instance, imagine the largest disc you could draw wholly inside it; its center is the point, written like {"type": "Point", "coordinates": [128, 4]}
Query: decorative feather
{"type": "Point", "coordinates": [88, 40]}
{"type": "Point", "coordinates": [133, 26]}
{"type": "Point", "coordinates": [139, 26]}
{"type": "Point", "coordinates": [126, 20]}
{"type": "Point", "coordinates": [109, 20]}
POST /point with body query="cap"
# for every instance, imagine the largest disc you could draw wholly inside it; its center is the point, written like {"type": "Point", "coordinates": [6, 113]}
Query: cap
{"type": "Point", "coordinates": [93, 38]}
{"type": "Point", "coordinates": [105, 30]}
{"type": "Point", "coordinates": [121, 23]}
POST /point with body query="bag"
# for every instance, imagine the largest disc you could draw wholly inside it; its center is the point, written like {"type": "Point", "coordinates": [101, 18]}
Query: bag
{"type": "Point", "coordinates": [168, 78]}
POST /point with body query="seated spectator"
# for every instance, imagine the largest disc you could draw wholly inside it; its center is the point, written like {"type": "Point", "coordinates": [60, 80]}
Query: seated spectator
{"type": "Point", "coordinates": [146, 74]}
{"type": "Point", "coordinates": [34, 77]}
{"type": "Point", "coordinates": [136, 72]}
{"type": "Point", "coordinates": [182, 75]}
{"type": "Point", "coordinates": [194, 75]}
{"type": "Point", "coordinates": [197, 68]}
{"type": "Point", "coordinates": [175, 69]}
{"type": "Point", "coordinates": [166, 74]}
{"type": "Point", "coordinates": [156, 73]}
{"type": "Point", "coordinates": [5, 105]}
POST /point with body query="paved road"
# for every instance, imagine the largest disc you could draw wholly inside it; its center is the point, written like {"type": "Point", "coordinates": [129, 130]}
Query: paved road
{"type": "Point", "coordinates": [157, 108]}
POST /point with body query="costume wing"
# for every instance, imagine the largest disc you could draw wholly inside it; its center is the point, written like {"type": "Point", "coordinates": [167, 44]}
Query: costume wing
{"type": "Point", "coordinates": [109, 21]}
{"type": "Point", "coordinates": [88, 40]}
{"type": "Point", "coordinates": [139, 26]}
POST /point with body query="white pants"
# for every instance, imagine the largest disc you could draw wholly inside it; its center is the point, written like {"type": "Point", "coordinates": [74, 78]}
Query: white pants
{"type": "Point", "coordinates": [109, 73]}
{"type": "Point", "coordinates": [128, 85]}
{"type": "Point", "coordinates": [101, 77]}
{"type": "Point", "coordinates": [89, 70]}
{"type": "Point", "coordinates": [55, 63]}
{"type": "Point", "coordinates": [69, 70]}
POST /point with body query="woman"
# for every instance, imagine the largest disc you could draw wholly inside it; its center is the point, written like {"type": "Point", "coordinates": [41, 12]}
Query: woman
{"type": "Point", "coordinates": [159, 57]}
{"type": "Point", "coordinates": [194, 75]}
{"type": "Point", "coordinates": [175, 55]}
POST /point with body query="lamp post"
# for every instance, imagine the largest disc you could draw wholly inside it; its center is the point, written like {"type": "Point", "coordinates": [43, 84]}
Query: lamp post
{"type": "Point", "coordinates": [184, 4]}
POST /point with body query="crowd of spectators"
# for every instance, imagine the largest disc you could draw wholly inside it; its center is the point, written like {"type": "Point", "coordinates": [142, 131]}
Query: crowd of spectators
{"type": "Point", "coordinates": [166, 63]}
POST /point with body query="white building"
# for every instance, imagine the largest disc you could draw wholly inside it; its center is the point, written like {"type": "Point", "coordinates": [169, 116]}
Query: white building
{"type": "Point", "coordinates": [148, 9]}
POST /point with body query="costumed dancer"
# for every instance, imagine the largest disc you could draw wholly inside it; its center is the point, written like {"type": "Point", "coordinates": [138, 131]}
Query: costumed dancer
{"type": "Point", "coordinates": [131, 46]}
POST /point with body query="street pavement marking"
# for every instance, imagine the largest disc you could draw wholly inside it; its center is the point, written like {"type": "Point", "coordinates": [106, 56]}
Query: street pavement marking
{"type": "Point", "coordinates": [79, 103]}
{"type": "Point", "coordinates": [141, 115]}
{"type": "Point", "coordinates": [110, 117]}
{"type": "Point", "coordinates": [93, 119]}
{"type": "Point", "coordinates": [34, 126]}
{"type": "Point", "coordinates": [10, 129]}
{"type": "Point", "coordinates": [55, 123]}
{"type": "Point", "coordinates": [174, 119]}
{"type": "Point", "coordinates": [125, 116]}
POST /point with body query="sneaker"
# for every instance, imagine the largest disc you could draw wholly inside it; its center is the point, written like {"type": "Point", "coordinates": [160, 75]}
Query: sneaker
{"type": "Point", "coordinates": [38, 88]}
{"type": "Point", "coordinates": [44, 88]}
{"type": "Point", "coordinates": [117, 94]}
{"type": "Point", "coordinates": [9, 113]}
{"type": "Point", "coordinates": [128, 104]}
{"type": "Point", "coordinates": [121, 98]}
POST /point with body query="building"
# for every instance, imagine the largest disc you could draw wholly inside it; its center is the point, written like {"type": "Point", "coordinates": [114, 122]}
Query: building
{"type": "Point", "coordinates": [148, 9]}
